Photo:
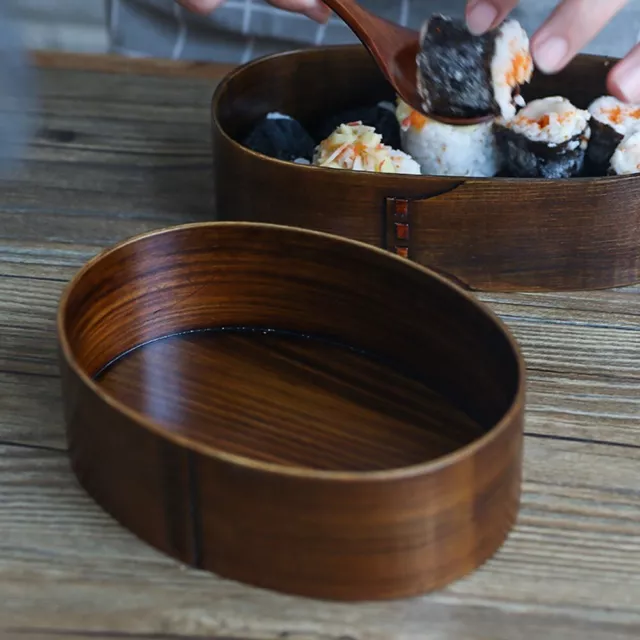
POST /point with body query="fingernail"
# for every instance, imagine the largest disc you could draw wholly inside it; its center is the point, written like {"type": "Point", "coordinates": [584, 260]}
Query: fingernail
{"type": "Point", "coordinates": [550, 54]}
{"type": "Point", "coordinates": [317, 11]}
{"type": "Point", "coordinates": [627, 77]}
{"type": "Point", "coordinates": [481, 16]}
{"type": "Point", "coordinates": [317, 15]}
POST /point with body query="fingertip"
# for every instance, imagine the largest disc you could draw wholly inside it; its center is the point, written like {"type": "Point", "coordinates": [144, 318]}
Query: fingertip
{"type": "Point", "coordinates": [481, 16]}
{"type": "Point", "coordinates": [551, 54]}
{"type": "Point", "coordinates": [201, 7]}
{"type": "Point", "coordinates": [623, 80]}
{"type": "Point", "coordinates": [319, 12]}
{"type": "Point", "coordinates": [613, 86]}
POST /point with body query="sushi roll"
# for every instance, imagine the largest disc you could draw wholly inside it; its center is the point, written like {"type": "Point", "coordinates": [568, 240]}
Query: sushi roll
{"type": "Point", "coordinates": [547, 139]}
{"type": "Point", "coordinates": [358, 147]}
{"type": "Point", "coordinates": [445, 150]}
{"type": "Point", "coordinates": [611, 121]}
{"type": "Point", "coordinates": [626, 158]}
{"type": "Point", "coordinates": [462, 76]}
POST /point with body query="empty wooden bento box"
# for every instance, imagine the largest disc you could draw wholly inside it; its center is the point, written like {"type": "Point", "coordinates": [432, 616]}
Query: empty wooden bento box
{"type": "Point", "coordinates": [293, 410]}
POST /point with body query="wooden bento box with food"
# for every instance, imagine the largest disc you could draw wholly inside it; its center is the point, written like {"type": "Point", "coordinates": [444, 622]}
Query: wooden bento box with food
{"type": "Point", "coordinates": [537, 190]}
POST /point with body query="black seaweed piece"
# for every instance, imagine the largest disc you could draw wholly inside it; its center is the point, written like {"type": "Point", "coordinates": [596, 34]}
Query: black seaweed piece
{"type": "Point", "coordinates": [524, 158]}
{"type": "Point", "coordinates": [454, 69]}
{"type": "Point", "coordinates": [383, 120]}
{"type": "Point", "coordinates": [602, 145]}
{"type": "Point", "coordinates": [284, 139]}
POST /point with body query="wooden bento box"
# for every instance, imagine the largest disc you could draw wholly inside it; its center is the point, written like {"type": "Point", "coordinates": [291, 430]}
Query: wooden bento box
{"type": "Point", "coordinates": [492, 234]}
{"type": "Point", "coordinates": [293, 410]}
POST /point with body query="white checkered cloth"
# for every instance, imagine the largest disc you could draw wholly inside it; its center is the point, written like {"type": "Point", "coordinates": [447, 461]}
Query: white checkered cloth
{"type": "Point", "coordinates": [242, 30]}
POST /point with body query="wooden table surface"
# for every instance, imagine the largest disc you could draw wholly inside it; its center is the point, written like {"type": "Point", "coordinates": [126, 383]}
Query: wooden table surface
{"type": "Point", "coordinates": [122, 147]}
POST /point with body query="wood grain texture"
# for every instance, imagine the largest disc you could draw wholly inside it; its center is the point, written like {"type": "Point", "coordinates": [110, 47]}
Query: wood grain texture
{"type": "Point", "coordinates": [296, 466]}
{"type": "Point", "coordinates": [569, 570]}
{"type": "Point", "coordinates": [115, 64]}
{"type": "Point", "coordinates": [499, 234]}
{"type": "Point", "coordinates": [308, 387]}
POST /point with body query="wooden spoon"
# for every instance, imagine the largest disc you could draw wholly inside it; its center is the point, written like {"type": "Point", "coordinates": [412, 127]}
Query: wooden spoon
{"type": "Point", "coordinates": [394, 48]}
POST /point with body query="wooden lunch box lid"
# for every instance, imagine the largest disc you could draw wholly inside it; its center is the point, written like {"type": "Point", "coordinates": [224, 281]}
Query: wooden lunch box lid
{"type": "Point", "coordinates": [322, 473]}
{"type": "Point", "coordinates": [491, 234]}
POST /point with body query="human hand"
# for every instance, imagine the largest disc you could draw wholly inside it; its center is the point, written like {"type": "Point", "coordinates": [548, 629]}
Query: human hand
{"type": "Point", "coordinates": [314, 9]}
{"type": "Point", "coordinates": [572, 25]}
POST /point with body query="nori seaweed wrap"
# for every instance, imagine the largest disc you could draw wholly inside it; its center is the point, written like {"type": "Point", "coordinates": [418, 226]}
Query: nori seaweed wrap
{"type": "Point", "coordinates": [280, 136]}
{"type": "Point", "coordinates": [547, 139]}
{"type": "Point", "coordinates": [463, 76]}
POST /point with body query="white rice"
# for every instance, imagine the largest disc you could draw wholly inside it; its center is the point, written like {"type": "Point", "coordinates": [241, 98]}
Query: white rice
{"type": "Point", "coordinates": [358, 147]}
{"type": "Point", "coordinates": [445, 150]}
{"type": "Point", "coordinates": [511, 67]}
{"type": "Point", "coordinates": [626, 159]}
{"type": "Point", "coordinates": [404, 163]}
{"type": "Point", "coordinates": [553, 121]}
{"type": "Point", "coordinates": [622, 117]}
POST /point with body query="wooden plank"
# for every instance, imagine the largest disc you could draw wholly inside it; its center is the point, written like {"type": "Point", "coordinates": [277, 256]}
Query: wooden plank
{"type": "Point", "coordinates": [122, 147]}
{"type": "Point", "coordinates": [571, 567]}
{"type": "Point", "coordinates": [56, 261]}
{"type": "Point", "coordinates": [106, 149]}
{"type": "Point", "coordinates": [109, 63]}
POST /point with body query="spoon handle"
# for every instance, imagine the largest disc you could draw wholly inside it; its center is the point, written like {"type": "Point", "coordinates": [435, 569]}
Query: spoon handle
{"type": "Point", "coordinates": [393, 47]}
{"type": "Point", "coordinates": [368, 27]}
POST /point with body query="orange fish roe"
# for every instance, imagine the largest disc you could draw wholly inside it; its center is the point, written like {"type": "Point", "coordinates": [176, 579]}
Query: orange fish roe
{"type": "Point", "coordinates": [520, 69]}
{"type": "Point", "coordinates": [544, 121]}
{"type": "Point", "coordinates": [614, 114]}
{"type": "Point", "coordinates": [567, 115]}
{"type": "Point", "coordinates": [415, 120]}
{"type": "Point", "coordinates": [635, 114]}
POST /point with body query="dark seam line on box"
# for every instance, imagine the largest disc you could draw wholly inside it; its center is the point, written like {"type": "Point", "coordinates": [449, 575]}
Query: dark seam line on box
{"type": "Point", "coordinates": [194, 510]}
{"type": "Point", "coordinates": [384, 244]}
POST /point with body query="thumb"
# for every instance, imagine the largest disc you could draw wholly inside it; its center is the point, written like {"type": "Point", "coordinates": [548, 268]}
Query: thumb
{"type": "Point", "coordinates": [201, 6]}
{"type": "Point", "coordinates": [314, 9]}
{"type": "Point", "coordinates": [483, 15]}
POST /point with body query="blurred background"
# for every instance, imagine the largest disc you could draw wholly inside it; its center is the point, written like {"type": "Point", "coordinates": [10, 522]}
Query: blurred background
{"type": "Point", "coordinates": [80, 25]}
{"type": "Point", "coordinates": [69, 25]}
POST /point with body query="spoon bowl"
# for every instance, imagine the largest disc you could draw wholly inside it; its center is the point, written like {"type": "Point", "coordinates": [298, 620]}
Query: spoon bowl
{"type": "Point", "coordinates": [394, 49]}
